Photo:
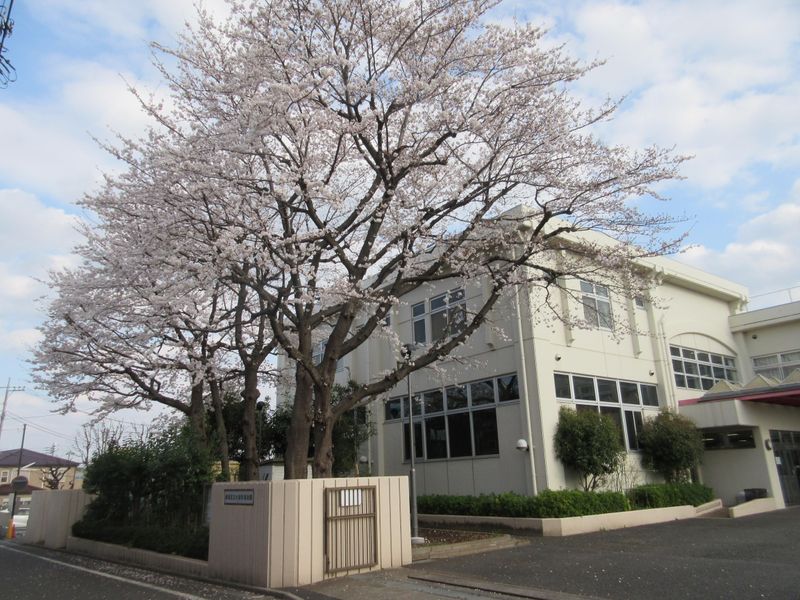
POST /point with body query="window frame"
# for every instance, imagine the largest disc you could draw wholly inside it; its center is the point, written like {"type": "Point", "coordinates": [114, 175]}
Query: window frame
{"type": "Point", "coordinates": [629, 439]}
{"type": "Point", "coordinates": [701, 367]}
{"type": "Point", "coordinates": [426, 314]}
{"type": "Point", "coordinates": [784, 366]}
{"type": "Point", "coordinates": [468, 407]}
{"type": "Point", "coordinates": [593, 296]}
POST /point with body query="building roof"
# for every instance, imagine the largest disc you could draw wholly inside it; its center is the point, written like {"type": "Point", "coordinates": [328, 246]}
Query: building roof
{"type": "Point", "coordinates": [759, 389]}
{"type": "Point", "coordinates": [11, 458]}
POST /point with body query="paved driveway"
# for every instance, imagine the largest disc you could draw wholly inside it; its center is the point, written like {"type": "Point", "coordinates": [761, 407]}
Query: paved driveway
{"type": "Point", "coordinates": [751, 557]}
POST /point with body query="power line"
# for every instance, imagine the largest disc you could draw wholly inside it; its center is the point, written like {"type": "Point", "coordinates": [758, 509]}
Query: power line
{"type": "Point", "coordinates": [38, 427]}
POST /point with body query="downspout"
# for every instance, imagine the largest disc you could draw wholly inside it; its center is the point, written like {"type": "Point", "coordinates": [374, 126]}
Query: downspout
{"type": "Point", "coordinates": [524, 381]}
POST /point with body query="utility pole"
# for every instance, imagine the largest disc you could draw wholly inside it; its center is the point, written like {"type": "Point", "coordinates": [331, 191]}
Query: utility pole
{"type": "Point", "coordinates": [9, 389]}
{"type": "Point", "coordinates": [19, 468]}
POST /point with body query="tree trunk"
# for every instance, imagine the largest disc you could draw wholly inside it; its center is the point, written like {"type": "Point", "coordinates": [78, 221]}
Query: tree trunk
{"type": "Point", "coordinates": [221, 430]}
{"type": "Point", "coordinates": [197, 413]}
{"type": "Point", "coordinates": [248, 470]}
{"type": "Point", "coordinates": [323, 433]}
{"type": "Point", "coordinates": [296, 459]}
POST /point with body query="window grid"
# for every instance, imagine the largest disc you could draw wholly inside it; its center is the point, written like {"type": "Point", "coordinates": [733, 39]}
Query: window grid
{"type": "Point", "coordinates": [459, 421]}
{"type": "Point", "coordinates": [777, 366]}
{"type": "Point", "coordinates": [700, 370]}
{"type": "Point", "coordinates": [596, 302]}
{"type": "Point", "coordinates": [439, 317]}
{"type": "Point", "coordinates": [622, 401]}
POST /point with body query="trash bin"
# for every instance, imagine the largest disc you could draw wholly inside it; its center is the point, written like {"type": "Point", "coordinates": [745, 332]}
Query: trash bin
{"type": "Point", "coordinates": [754, 493]}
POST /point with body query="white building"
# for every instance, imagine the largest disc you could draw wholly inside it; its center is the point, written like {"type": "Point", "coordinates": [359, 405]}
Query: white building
{"type": "Point", "coordinates": [692, 334]}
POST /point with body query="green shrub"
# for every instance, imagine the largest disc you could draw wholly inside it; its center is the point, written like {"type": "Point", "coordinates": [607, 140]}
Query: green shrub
{"type": "Point", "coordinates": [150, 494]}
{"type": "Point", "coordinates": [548, 504]}
{"type": "Point", "coordinates": [191, 542]}
{"type": "Point", "coordinates": [660, 495]}
{"type": "Point", "coordinates": [588, 443]}
{"type": "Point", "coordinates": [672, 445]}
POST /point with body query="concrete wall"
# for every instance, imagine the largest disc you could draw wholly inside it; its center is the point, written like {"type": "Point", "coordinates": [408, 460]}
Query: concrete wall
{"type": "Point", "coordinates": [178, 565]}
{"type": "Point", "coordinates": [53, 513]}
{"type": "Point", "coordinates": [278, 540]}
{"type": "Point", "coordinates": [730, 471]}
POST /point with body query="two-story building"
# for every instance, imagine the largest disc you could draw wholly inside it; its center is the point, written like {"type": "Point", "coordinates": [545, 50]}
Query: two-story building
{"type": "Point", "coordinates": [501, 392]}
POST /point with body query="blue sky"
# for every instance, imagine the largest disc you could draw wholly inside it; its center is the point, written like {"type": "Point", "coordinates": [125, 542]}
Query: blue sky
{"type": "Point", "coordinates": [717, 79]}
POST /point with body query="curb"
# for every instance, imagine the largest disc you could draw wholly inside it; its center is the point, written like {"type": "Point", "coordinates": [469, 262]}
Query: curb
{"type": "Point", "coordinates": [498, 542]}
{"type": "Point", "coordinates": [497, 588]}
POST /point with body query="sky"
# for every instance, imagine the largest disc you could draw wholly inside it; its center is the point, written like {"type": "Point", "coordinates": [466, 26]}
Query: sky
{"type": "Point", "coordinates": [716, 79]}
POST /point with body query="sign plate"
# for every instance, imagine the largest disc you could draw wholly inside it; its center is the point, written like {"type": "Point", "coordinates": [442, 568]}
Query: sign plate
{"type": "Point", "coordinates": [239, 497]}
{"type": "Point", "coordinates": [18, 484]}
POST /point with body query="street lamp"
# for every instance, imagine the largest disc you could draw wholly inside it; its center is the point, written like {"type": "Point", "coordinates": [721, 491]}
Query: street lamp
{"type": "Point", "coordinates": [415, 538]}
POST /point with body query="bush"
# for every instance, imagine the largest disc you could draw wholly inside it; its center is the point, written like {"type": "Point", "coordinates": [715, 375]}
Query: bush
{"type": "Point", "coordinates": [672, 445]}
{"type": "Point", "coordinates": [157, 482]}
{"type": "Point", "coordinates": [191, 542]}
{"type": "Point", "coordinates": [588, 443]}
{"type": "Point", "coordinates": [548, 504]}
{"type": "Point", "coordinates": [660, 495]}
{"type": "Point", "coordinates": [150, 494]}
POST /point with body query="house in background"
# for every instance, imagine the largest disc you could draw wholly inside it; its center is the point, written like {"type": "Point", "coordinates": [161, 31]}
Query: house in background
{"type": "Point", "coordinates": [43, 471]}
{"type": "Point", "coordinates": [503, 389]}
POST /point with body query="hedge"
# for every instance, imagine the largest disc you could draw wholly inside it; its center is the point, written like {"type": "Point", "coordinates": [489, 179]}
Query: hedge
{"type": "Point", "coordinates": [660, 495]}
{"type": "Point", "coordinates": [191, 542]}
{"type": "Point", "coordinates": [548, 504]}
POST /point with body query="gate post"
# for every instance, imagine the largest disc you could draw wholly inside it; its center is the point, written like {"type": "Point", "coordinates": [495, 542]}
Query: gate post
{"type": "Point", "coordinates": [275, 534]}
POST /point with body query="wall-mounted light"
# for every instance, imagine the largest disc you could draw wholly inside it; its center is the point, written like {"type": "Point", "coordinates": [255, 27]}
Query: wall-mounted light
{"type": "Point", "coordinates": [522, 445]}
{"type": "Point", "coordinates": [558, 357]}
{"type": "Point", "coordinates": [768, 444]}
{"type": "Point", "coordinates": [652, 372]}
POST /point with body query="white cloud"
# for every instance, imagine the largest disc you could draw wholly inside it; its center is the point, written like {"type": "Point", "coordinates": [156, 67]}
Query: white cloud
{"type": "Point", "coordinates": [19, 341]}
{"type": "Point", "coordinates": [121, 21]}
{"type": "Point", "coordinates": [764, 253]}
{"type": "Point", "coordinates": [34, 238]}
{"type": "Point", "coordinates": [716, 78]}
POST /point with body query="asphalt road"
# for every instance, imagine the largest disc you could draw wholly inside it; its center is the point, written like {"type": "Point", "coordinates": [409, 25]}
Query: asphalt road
{"type": "Point", "coordinates": [33, 573]}
{"type": "Point", "coordinates": [753, 557]}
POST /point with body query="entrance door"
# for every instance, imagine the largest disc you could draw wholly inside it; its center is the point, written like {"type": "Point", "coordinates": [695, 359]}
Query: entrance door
{"type": "Point", "coordinates": [786, 447]}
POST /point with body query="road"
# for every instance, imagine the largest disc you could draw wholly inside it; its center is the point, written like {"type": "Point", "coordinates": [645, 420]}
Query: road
{"type": "Point", "coordinates": [33, 573]}
{"type": "Point", "coordinates": [751, 558]}
{"type": "Point", "coordinates": [748, 558]}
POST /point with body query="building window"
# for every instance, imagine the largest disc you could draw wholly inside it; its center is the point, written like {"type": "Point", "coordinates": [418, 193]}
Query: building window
{"type": "Point", "coordinates": [699, 370]}
{"type": "Point", "coordinates": [446, 315]}
{"type": "Point", "coordinates": [621, 401]}
{"type": "Point", "coordinates": [728, 439]}
{"type": "Point", "coordinates": [318, 353]}
{"type": "Point", "coordinates": [391, 409]}
{"type": "Point", "coordinates": [596, 305]}
{"type": "Point", "coordinates": [777, 366]}
{"type": "Point", "coordinates": [3, 476]}
{"type": "Point", "coordinates": [459, 421]}
{"type": "Point", "coordinates": [639, 301]}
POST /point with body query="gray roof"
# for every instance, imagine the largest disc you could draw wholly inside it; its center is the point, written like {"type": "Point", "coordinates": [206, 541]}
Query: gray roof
{"type": "Point", "coordinates": [10, 458]}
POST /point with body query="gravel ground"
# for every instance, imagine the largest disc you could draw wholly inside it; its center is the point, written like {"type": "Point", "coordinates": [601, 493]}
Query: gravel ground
{"type": "Point", "coordinates": [451, 536]}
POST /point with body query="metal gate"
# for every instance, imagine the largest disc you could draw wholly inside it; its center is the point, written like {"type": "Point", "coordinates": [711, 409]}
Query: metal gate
{"type": "Point", "coordinates": [786, 447]}
{"type": "Point", "coordinates": [351, 534]}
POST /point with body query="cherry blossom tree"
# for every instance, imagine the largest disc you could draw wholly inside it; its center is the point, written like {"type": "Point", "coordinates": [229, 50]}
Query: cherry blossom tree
{"type": "Point", "coordinates": [379, 131]}
{"type": "Point", "coordinates": [322, 159]}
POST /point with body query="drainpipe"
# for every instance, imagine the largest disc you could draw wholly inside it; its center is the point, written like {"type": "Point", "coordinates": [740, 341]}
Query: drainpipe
{"type": "Point", "coordinates": [524, 388]}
